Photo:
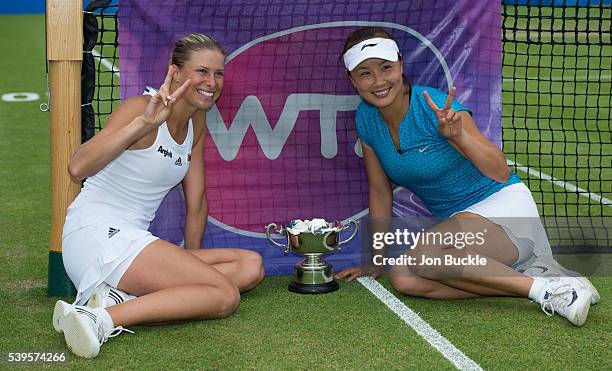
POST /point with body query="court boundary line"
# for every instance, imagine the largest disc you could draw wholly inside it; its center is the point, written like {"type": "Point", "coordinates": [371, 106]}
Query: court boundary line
{"type": "Point", "coordinates": [560, 183]}
{"type": "Point", "coordinates": [526, 169]}
{"type": "Point", "coordinates": [605, 78]}
{"type": "Point", "coordinates": [110, 66]}
{"type": "Point", "coordinates": [419, 325]}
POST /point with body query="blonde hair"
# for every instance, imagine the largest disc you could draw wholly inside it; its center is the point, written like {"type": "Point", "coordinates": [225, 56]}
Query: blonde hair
{"type": "Point", "coordinates": [191, 43]}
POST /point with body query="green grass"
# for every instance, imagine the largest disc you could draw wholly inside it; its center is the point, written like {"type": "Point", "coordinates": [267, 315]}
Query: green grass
{"type": "Point", "coordinates": [273, 329]}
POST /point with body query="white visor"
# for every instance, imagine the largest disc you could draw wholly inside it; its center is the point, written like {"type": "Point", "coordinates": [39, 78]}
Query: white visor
{"type": "Point", "coordinates": [371, 48]}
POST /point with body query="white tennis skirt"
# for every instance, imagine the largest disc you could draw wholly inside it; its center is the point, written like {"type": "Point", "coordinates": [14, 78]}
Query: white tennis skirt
{"type": "Point", "coordinates": [101, 252]}
{"type": "Point", "coordinates": [514, 209]}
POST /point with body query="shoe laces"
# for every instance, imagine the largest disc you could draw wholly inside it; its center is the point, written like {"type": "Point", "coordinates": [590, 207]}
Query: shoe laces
{"type": "Point", "coordinates": [557, 300]}
{"type": "Point", "coordinates": [103, 336]}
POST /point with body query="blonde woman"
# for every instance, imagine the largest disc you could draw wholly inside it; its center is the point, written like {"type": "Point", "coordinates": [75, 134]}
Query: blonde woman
{"type": "Point", "coordinates": [125, 274]}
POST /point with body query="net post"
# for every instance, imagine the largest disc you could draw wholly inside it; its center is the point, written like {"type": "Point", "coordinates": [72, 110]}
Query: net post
{"type": "Point", "coordinates": [64, 31]}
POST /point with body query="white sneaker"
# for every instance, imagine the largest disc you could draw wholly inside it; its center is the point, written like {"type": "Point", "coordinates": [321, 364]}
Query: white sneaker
{"type": "Point", "coordinates": [61, 309]}
{"type": "Point", "coordinates": [84, 330]}
{"type": "Point", "coordinates": [105, 296]}
{"type": "Point", "coordinates": [595, 298]}
{"type": "Point", "coordinates": [568, 297]}
{"type": "Point", "coordinates": [547, 267]}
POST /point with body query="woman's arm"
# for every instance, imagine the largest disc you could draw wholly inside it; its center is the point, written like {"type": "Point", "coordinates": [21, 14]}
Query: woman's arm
{"type": "Point", "coordinates": [380, 195]}
{"type": "Point", "coordinates": [124, 127]}
{"type": "Point", "coordinates": [380, 202]}
{"type": "Point", "coordinates": [194, 190]}
{"type": "Point", "coordinates": [474, 146]}
{"type": "Point", "coordinates": [129, 123]}
{"type": "Point", "coordinates": [462, 133]}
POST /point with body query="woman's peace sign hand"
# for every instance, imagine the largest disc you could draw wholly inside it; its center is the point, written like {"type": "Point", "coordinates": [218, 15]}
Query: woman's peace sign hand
{"type": "Point", "coordinates": [160, 105]}
{"type": "Point", "coordinates": [449, 120]}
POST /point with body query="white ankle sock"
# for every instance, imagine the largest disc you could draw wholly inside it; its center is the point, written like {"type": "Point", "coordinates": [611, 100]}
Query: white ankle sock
{"type": "Point", "coordinates": [537, 289]}
{"type": "Point", "coordinates": [107, 321]}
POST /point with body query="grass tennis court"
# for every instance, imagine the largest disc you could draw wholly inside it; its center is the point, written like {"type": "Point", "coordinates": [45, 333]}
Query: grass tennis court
{"type": "Point", "coordinates": [273, 329]}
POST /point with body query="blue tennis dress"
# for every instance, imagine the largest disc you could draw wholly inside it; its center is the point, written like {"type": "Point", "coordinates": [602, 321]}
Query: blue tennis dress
{"type": "Point", "coordinates": [426, 163]}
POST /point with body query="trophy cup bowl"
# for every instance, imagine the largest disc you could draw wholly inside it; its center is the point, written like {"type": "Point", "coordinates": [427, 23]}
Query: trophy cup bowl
{"type": "Point", "coordinates": [312, 275]}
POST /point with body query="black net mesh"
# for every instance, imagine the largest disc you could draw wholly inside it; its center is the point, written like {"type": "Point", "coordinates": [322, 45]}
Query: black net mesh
{"type": "Point", "coordinates": [105, 52]}
{"type": "Point", "coordinates": [557, 66]}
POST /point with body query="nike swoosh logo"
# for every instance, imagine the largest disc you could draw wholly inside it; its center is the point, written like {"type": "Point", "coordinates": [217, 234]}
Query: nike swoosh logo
{"type": "Point", "coordinates": [574, 297]}
{"type": "Point", "coordinates": [544, 269]}
{"type": "Point", "coordinates": [368, 45]}
{"type": "Point", "coordinates": [424, 148]}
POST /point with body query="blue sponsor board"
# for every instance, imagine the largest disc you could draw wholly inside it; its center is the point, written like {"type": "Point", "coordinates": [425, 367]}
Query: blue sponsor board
{"type": "Point", "coordinates": [22, 7]}
{"type": "Point", "coordinates": [33, 6]}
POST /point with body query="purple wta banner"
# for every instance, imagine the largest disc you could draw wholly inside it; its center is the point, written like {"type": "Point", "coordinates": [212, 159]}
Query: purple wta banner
{"type": "Point", "coordinates": [281, 142]}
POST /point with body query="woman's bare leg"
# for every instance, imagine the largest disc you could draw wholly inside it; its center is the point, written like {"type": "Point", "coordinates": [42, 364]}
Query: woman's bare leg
{"type": "Point", "coordinates": [243, 267]}
{"type": "Point", "coordinates": [496, 278]}
{"type": "Point", "coordinates": [173, 285]}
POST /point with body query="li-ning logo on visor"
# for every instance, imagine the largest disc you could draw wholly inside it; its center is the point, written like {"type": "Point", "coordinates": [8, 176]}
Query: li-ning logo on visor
{"type": "Point", "coordinates": [367, 45]}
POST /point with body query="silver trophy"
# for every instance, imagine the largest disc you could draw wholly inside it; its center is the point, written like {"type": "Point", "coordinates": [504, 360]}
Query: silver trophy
{"type": "Point", "coordinates": [312, 239]}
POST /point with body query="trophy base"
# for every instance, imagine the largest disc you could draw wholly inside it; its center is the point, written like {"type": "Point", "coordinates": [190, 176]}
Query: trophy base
{"type": "Point", "coordinates": [320, 288]}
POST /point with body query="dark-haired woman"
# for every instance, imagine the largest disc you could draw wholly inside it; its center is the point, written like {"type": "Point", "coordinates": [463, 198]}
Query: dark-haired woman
{"type": "Point", "coordinates": [422, 139]}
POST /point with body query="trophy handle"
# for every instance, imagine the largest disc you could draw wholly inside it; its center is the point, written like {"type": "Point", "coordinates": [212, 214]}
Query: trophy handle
{"type": "Point", "coordinates": [268, 227]}
{"type": "Point", "coordinates": [330, 248]}
{"type": "Point", "coordinates": [355, 224]}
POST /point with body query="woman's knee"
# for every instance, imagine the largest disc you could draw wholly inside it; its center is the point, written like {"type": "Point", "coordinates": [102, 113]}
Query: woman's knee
{"type": "Point", "coordinates": [231, 302]}
{"type": "Point", "coordinates": [226, 298]}
{"type": "Point", "coordinates": [413, 286]}
{"type": "Point", "coordinates": [253, 268]}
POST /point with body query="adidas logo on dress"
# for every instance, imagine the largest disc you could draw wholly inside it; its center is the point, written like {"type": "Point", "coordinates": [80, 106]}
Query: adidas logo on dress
{"type": "Point", "coordinates": [178, 162]}
{"type": "Point", "coordinates": [113, 231]}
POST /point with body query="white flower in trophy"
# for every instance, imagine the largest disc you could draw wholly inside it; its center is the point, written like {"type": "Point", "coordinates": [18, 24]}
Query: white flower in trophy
{"type": "Point", "coordinates": [314, 226]}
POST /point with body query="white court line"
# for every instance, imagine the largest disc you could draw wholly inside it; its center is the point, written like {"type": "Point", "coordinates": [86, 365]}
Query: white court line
{"type": "Point", "coordinates": [563, 184]}
{"type": "Point", "coordinates": [604, 77]}
{"type": "Point", "coordinates": [565, 35]}
{"type": "Point", "coordinates": [420, 326]}
{"type": "Point", "coordinates": [105, 62]}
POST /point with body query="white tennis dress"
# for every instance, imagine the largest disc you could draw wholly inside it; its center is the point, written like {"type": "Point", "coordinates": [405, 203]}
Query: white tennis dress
{"type": "Point", "coordinates": [107, 224]}
{"type": "Point", "coordinates": [514, 209]}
